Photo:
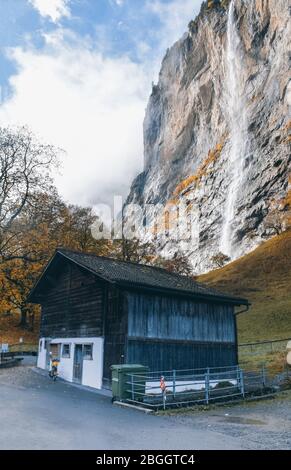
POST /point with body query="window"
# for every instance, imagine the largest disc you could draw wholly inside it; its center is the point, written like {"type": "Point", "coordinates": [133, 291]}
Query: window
{"type": "Point", "coordinates": [66, 350]}
{"type": "Point", "coordinates": [55, 350]}
{"type": "Point", "coordinates": [88, 352]}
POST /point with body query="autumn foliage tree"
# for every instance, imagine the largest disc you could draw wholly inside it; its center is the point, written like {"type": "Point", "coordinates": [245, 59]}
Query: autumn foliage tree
{"type": "Point", "coordinates": [34, 220]}
{"type": "Point", "coordinates": [44, 225]}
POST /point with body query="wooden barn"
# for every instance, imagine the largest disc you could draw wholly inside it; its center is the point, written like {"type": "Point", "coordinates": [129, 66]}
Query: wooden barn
{"type": "Point", "coordinates": [97, 311]}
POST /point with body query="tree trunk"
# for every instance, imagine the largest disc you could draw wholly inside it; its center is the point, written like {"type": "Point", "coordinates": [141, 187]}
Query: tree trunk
{"type": "Point", "coordinates": [31, 322]}
{"type": "Point", "coordinates": [23, 318]}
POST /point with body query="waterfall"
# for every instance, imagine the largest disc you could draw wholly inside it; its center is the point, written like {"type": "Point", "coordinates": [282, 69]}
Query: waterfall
{"type": "Point", "coordinates": [236, 110]}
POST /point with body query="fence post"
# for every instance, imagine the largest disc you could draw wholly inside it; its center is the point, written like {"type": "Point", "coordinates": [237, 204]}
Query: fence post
{"type": "Point", "coordinates": [237, 376]}
{"type": "Point", "coordinates": [132, 388]}
{"type": "Point", "coordinates": [264, 376]}
{"type": "Point", "coordinates": [207, 390]}
{"type": "Point", "coordinates": [164, 399]}
{"type": "Point", "coordinates": [242, 385]}
{"type": "Point", "coordinates": [174, 383]}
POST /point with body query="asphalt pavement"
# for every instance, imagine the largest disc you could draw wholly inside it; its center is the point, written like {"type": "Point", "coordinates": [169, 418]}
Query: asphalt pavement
{"type": "Point", "coordinates": [37, 413]}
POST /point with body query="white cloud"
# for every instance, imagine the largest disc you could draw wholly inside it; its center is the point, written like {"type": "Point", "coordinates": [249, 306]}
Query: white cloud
{"type": "Point", "coordinates": [174, 17]}
{"type": "Point", "coordinates": [87, 104]}
{"type": "Point", "coordinates": [54, 9]}
{"type": "Point", "coordinates": [118, 3]}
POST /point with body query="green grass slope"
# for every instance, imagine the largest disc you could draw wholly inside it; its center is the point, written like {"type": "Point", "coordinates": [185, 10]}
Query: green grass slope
{"type": "Point", "coordinates": [264, 277]}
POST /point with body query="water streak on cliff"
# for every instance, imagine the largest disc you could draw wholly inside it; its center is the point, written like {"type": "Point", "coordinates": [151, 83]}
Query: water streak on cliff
{"type": "Point", "coordinates": [236, 109]}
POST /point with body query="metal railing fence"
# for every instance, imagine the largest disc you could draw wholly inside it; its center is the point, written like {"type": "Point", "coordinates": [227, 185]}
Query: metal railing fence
{"type": "Point", "coordinates": [198, 386]}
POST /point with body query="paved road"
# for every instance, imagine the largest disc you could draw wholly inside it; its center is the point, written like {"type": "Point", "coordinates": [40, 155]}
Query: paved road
{"type": "Point", "coordinates": [38, 414]}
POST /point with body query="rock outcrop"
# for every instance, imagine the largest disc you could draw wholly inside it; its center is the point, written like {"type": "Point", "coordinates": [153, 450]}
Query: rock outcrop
{"type": "Point", "coordinates": [217, 129]}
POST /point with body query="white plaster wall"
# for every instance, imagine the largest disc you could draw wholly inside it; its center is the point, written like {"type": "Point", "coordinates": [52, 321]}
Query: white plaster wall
{"type": "Point", "coordinates": [92, 369]}
{"type": "Point", "coordinates": [65, 368]}
{"type": "Point", "coordinates": [41, 358]}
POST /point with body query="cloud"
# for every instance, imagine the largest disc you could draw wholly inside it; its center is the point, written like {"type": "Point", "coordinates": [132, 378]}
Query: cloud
{"type": "Point", "coordinates": [90, 105]}
{"type": "Point", "coordinates": [54, 9]}
{"type": "Point", "coordinates": [76, 96]}
{"type": "Point", "coordinates": [118, 3]}
{"type": "Point", "coordinates": [174, 17]}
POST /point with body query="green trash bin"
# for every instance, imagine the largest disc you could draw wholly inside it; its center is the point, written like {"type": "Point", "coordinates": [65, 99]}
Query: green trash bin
{"type": "Point", "coordinates": [124, 387]}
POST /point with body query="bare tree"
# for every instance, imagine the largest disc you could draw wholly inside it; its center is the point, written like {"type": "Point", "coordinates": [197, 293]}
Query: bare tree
{"type": "Point", "coordinates": [220, 259]}
{"type": "Point", "coordinates": [179, 264]}
{"type": "Point", "coordinates": [25, 168]}
{"type": "Point", "coordinates": [134, 251]}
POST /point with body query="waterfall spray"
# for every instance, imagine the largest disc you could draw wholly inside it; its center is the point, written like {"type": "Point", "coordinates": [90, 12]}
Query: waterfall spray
{"type": "Point", "coordinates": [236, 107]}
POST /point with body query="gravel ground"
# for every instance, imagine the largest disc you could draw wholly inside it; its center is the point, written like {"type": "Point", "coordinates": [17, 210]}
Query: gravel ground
{"type": "Point", "coordinates": [40, 414]}
{"type": "Point", "coordinates": [260, 425]}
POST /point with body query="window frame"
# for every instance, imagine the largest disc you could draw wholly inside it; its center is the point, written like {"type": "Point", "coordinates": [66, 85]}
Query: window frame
{"type": "Point", "coordinates": [87, 357]}
{"type": "Point", "coordinates": [66, 356]}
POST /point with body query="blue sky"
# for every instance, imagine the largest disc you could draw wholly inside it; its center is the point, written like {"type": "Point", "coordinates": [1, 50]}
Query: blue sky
{"type": "Point", "coordinates": [79, 73]}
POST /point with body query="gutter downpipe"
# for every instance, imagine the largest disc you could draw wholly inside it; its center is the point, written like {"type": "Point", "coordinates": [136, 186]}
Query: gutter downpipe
{"type": "Point", "coordinates": [246, 309]}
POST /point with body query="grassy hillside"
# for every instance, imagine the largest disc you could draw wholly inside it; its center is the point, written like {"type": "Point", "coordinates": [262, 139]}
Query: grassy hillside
{"type": "Point", "coordinates": [264, 277]}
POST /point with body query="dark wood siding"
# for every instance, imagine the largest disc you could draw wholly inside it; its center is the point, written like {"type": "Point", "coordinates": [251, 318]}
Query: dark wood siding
{"type": "Point", "coordinates": [173, 318]}
{"type": "Point", "coordinates": [165, 356]}
{"type": "Point", "coordinates": [168, 332]}
{"type": "Point", "coordinates": [73, 305]}
{"type": "Point", "coordinates": [115, 330]}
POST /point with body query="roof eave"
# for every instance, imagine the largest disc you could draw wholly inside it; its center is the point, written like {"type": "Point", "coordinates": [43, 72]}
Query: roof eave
{"type": "Point", "coordinates": [214, 298]}
{"type": "Point", "coordinates": [235, 301]}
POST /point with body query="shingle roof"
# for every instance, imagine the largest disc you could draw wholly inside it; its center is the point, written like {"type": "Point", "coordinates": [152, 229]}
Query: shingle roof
{"type": "Point", "coordinates": [139, 275]}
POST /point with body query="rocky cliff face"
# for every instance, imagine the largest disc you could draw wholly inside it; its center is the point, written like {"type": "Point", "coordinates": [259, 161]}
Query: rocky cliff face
{"type": "Point", "coordinates": [217, 128]}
